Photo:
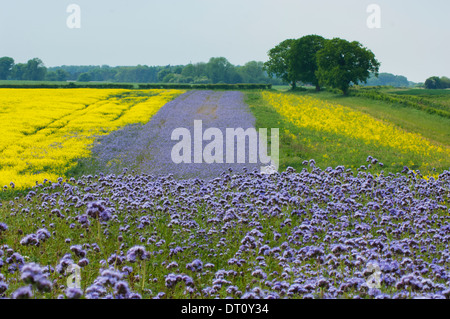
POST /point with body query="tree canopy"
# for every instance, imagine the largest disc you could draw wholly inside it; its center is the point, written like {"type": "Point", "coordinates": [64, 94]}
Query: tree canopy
{"type": "Point", "coordinates": [437, 83]}
{"type": "Point", "coordinates": [304, 51]}
{"type": "Point", "coordinates": [341, 63]}
{"type": "Point", "coordinates": [281, 64]}
{"type": "Point", "coordinates": [6, 64]}
{"type": "Point", "coordinates": [216, 70]}
{"type": "Point", "coordinates": [387, 79]}
{"type": "Point", "coordinates": [318, 61]}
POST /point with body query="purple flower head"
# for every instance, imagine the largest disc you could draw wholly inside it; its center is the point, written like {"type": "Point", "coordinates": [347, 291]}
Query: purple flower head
{"type": "Point", "coordinates": [84, 220]}
{"type": "Point", "coordinates": [98, 210]}
{"type": "Point", "coordinates": [74, 293]}
{"type": "Point", "coordinates": [15, 258]}
{"type": "Point", "coordinates": [83, 262]}
{"type": "Point", "coordinates": [116, 260]}
{"type": "Point", "coordinates": [30, 240]}
{"type": "Point", "coordinates": [34, 275]}
{"type": "Point", "coordinates": [78, 250]}
{"type": "Point", "coordinates": [195, 266]}
{"type": "Point", "coordinates": [43, 234]}
{"type": "Point", "coordinates": [172, 280]}
{"type": "Point", "coordinates": [3, 227]}
{"type": "Point", "coordinates": [126, 270]}
{"type": "Point", "coordinates": [137, 252]}
{"type": "Point", "coordinates": [22, 293]}
{"type": "Point", "coordinates": [259, 274]}
{"type": "Point", "coordinates": [95, 291]}
{"type": "Point", "coordinates": [188, 281]}
{"type": "Point", "coordinates": [3, 287]}
{"type": "Point", "coordinates": [122, 288]}
{"type": "Point", "coordinates": [64, 263]}
{"type": "Point", "coordinates": [108, 277]}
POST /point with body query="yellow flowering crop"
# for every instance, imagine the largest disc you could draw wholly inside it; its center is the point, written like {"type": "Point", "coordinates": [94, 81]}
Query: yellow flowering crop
{"type": "Point", "coordinates": [43, 130]}
{"type": "Point", "coordinates": [309, 112]}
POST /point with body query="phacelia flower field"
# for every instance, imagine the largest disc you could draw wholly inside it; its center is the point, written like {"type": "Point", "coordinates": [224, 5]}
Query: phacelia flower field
{"type": "Point", "coordinates": [147, 148]}
{"type": "Point", "coordinates": [306, 234]}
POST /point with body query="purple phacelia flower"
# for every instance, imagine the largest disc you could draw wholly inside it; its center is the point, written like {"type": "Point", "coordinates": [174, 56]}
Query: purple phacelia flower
{"type": "Point", "coordinates": [3, 227]}
{"type": "Point", "coordinates": [74, 293]}
{"type": "Point", "coordinates": [22, 293]}
{"type": "Point", "coordinates": [137, 252]}
{"type": "Point", "coordinates": [78, 250]}
{"type": "Point", "coordinates": [30, 240]}
{"type": "Point", "coordinates": [195, 266]}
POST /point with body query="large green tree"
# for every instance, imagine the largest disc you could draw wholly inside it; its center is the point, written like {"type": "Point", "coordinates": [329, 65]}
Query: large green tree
{"type": "Point", "coordinates": [57, 75]}
{"type": "Point", "coordinates": [84, 77]}
{"type": "Point", "coordinates": [18, 71]}
{"type": "Point", "coordinates": [6, 65]}
{"type": "Point", "coordinates": [281, 64]}
{"type": "Point", "coordinates": [220, 70]}
{"type": "Point", "coordinates": [341, 63]}
{"type": "Point", "coordinates": [437, 83]}
{"type": "Point", "coordinates": [304, 63]}
{"type": "Point", "coordinates": [35, 70]}
{"type": "Point", "coordinates": [253, 72]}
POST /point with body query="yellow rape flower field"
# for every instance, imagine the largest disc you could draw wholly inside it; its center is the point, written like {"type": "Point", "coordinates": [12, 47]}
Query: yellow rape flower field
{"type": "Point", "coordinates": [318, 115]}
{"type": "Point", "coordinates": [42, 131]}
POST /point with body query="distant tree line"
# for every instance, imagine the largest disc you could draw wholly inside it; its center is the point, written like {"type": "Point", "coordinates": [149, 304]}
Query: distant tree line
{"type": "Point", "coordinates": [312, 59]}
{"type": "Point", "coordinates": [33, 70]}
{"type": "Point", "coordinates": [388, 79]}
{"type": "Point", "coordinates": [437, 83]}
{"type": "Point", "coordinates": [217, 70]}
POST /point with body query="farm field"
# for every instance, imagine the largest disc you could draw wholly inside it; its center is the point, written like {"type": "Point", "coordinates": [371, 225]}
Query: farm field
{"type": "Point", "coordinates": [43, 130]}
{"type": "Point", "coordinates": [148, 148]}
{"type": "Point", "coordinates": [344, 131]}
{"type": "Point", "coordinates": [441, 97]}
{"type": "Point", "coordinates": [349, 215]}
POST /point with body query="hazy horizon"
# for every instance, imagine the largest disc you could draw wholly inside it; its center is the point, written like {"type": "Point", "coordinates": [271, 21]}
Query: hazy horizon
{"type": "Point", "coordinates": [411, 40]}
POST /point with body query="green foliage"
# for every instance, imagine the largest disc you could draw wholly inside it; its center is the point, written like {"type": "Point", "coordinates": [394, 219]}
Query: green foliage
{"type": "Point", "coordinates": [180, 86]}
{"type": "Point", "coordinates": [18, 71]}
{"type": "Point", "coordinates": [312, 59]}
{"type": "Point", "coordinates": [387, 79]}
{"type": "Point", "coordinates": [281, 64]}
{"type": "Point", "coordinates": [6, 65]}
{"type": "Point", "coordinates": [253, 72]}
{"type": "Point", "coordinates": [220, 70]}
{"type": "Point", "coordinates": [35, 70]}
{"type": "Point", "coordinates": [431, 106]}
{"type": "Point", "coordinates": [210, 86]}
{"type": "Point", "coordinates": [304, 52]}
{"type": "Point", "coordinates": [84, 77]}
{"type": "Point", "coordinates": [62, 85]}
{"type": "Point", "coordinates": [341, 63]}
{"type": "Point", "coordinates": [217, 70]}
{"type": "Point", "coordinates": [57, 75]}
{"type": "Point", "coordinates": [437, 83]}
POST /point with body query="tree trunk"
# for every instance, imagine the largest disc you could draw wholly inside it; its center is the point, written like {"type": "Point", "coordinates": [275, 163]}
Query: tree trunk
{"type": "Point", "coordinates": [294, 85]}
{"type": "Point", "coordinates": [317, 87]}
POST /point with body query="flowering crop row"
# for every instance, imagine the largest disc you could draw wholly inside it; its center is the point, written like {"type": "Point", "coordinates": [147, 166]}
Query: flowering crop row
{"type": "Point", "coordinates": [312, 113]}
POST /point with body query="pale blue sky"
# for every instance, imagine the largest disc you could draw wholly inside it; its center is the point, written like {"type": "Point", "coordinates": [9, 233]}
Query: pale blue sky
{"type": "Point", "coordinates": [414, 39]}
